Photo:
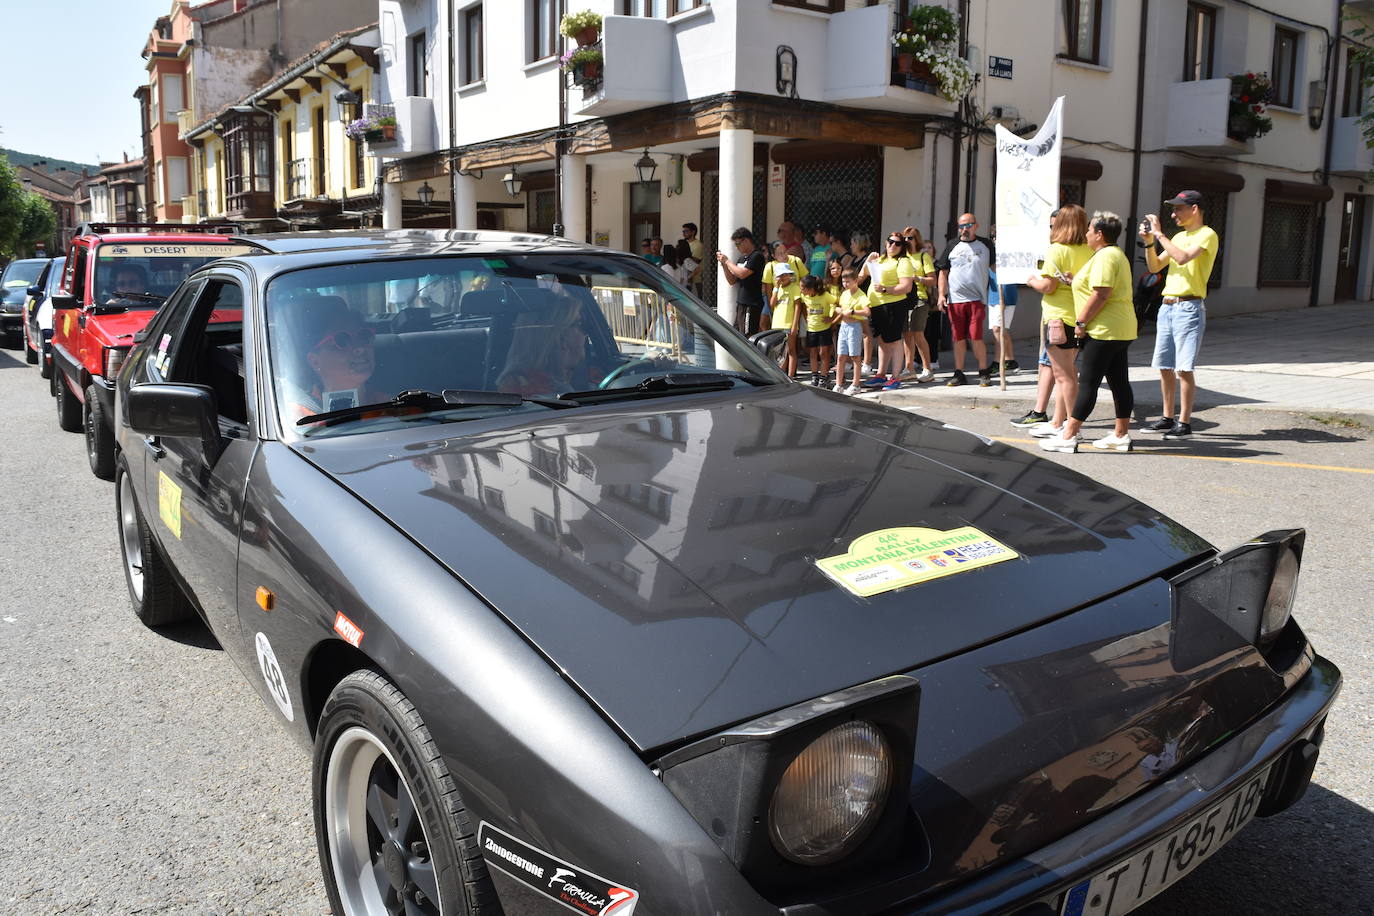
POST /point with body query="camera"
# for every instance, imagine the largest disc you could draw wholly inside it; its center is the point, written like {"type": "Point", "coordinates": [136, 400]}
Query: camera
{"type": "Point", "coordinates": [1144, 227]}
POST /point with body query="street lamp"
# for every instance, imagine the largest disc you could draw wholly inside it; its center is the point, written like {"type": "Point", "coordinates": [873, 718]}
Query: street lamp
{"type": "Point", "coordinates": [426, 195]}
{"type": "Point", "coordinates": [1316, 103]}
{"type": "Point", "coordinates": [646, 167]}
{"type": "Point", "coordinates": [512, 182]}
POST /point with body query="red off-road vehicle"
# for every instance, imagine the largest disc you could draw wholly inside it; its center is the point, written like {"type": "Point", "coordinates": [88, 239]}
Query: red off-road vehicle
{"type": "Point", "coordinates": [116, 278]}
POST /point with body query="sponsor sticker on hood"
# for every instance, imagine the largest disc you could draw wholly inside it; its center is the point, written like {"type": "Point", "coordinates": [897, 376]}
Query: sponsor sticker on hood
{"type": "Point", "coordinates": [893, 558]}
{"type": "Point", "coordinates": [575, 888]}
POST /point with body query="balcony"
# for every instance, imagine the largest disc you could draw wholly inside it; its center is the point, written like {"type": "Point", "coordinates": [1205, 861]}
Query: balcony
{"type": "Point", "coordinates": [1351, 154]}
{"type": "Point", "coordinates": [248, 197]}
{"type": "Point", "coordinates": [636, 71]}
{"type": "Point", "coordinates": [1197, 119]}
{"type": "Point", "coordinates": [191, 211]}
{"type": "Point", "coordinates": [859, 70]}
{"type": "Point", "coordinates": [185, 121]}
{"type": "Point", "coordinates": [416, 128]}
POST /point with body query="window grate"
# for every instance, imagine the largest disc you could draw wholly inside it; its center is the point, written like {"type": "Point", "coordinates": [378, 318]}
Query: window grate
{"type": "Point", "coordinates": [1287, 254]}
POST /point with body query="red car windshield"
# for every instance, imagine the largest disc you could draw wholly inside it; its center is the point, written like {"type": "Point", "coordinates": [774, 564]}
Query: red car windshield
{"type": "Point", "coordinates": [138, 274]}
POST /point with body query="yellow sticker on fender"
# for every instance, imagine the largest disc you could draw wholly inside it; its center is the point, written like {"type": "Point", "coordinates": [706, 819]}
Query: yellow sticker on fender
{"type": "Point", "coordinates": [897, 557]}
{"type": "Point", "coordinates": [169, 503]}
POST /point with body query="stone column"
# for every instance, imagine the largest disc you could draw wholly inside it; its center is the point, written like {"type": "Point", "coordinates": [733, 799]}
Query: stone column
{"type": "Point", "coordinates": [575, 197]}
{"type": "Point", "coordinates": [736, 209]}
{"type": "Point", "coordinates": [464, 214]}
{"type": "Point", "coordinates": [391, 205]}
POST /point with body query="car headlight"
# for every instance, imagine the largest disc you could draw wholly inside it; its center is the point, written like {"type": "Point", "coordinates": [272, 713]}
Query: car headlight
{"type": "Point", "coordinates": [114, 358]}
{"type": "Point", "coordinates": [830, 796]}
{"type": "Point", "coordinates": [1250, 588]}
{"type": "Point", "coordinates": [1278, 604]}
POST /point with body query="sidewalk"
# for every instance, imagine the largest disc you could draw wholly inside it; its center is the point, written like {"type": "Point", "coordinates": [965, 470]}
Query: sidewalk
{"type": "Point", "coordinates": [1328, 365]}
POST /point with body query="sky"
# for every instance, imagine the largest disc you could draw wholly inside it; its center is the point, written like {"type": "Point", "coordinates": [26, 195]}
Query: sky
{"type": "Point", "coordinates": [71, 68]}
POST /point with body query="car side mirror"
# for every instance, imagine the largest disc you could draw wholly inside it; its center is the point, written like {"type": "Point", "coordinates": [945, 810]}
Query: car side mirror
{"type": "Point", "coordinates": [64, 302]}
{"type": "Point", "coordinates": [35, 292]}
{"type": "Point", "coordinates": [177, 412]}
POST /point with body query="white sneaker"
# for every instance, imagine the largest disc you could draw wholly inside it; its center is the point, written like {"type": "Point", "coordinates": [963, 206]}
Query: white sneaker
{"type": "Point", "coordinates": [1113, 441]}
{"type": "Point", "coordinates": [1044, 431]}
{"type": "Point", "coordinates": [1058, 444]}
{"type": "Point", "coordinates": [908, 374]}
{"type": "Point", "coordinates": [853, 389]}
{"type": "Point", "coordinates": [868, 370]}
{"type": "Point", "coordinates": [926, 376]}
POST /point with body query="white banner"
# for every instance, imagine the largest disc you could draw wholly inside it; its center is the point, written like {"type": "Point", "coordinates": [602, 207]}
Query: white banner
{"type": "Point", "coordinates": [1027, 193]}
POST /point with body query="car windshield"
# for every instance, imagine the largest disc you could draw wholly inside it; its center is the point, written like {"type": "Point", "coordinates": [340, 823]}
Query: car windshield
{"type": "Point", "coordinates": [18, 277]}
{"type": "Point", "coordinates": [139, 274]}
{"type": "Point", "coordinates": [466, 337]}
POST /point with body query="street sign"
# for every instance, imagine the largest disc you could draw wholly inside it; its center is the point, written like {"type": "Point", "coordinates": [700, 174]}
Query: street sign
{"type": "Point", "coordinates": [999, 67]}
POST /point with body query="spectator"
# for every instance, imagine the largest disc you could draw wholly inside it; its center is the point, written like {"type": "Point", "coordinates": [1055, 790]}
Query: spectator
{"type": "Point", "coordinates": [646, 251]}
{"type": "Point", "coordinates": [819, 258]}
{"type": "Point", "coordinates": [1105, 326]}
{"type": "Point", "coordinates": [689, 265]}
{"type": "Point", "coordinates": [963, 295]}
{"type": "Point", "coordinates": [820, 319]}
{"type": "Point", "coordinates": [697, 251]}
{"type": "Point", "coordinates": [1067, 254]}
{"type": "Point", "coordinates": [858, 252]}
{"type": "Point", "coordinates": [854, 312]}
{"type": "Point", "coordinates": [839, 249]}
{"type": "Point", "coordinates": [745, 274]}
{"type": "Point", "coordinates": [918, 302]}
{"type": "Point", "coordinates": [892, 277]}
{"type": "Point", "coordinates": [791, 235]}
{"type": "Point", "coordinates": [1182, 319]}
{"type": "Point", "coordinates": [1001, 310]}
{"type": "Point", "coordinates": [786, 314]}
{"type": "Point", "coordinates": [779, 255]}
{"type": "Point", "coordinates": [670, 265]}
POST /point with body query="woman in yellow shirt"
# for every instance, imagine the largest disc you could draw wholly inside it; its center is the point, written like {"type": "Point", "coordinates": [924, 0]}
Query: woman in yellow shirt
{"type": "Point", "coordinates": [892, 276]}
{"type": "Point", "coordinates": [918, 301]}
{"type": "Point", "coordinates": [1067, 254]}
{"type": "Point", "coordinates": [1105, 325]}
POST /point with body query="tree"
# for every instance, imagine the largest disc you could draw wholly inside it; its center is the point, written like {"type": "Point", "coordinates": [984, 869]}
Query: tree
{"type": "Point", "coordinates": [25, 218]}
{"type": "Point", "coordinates": [1362, 53]}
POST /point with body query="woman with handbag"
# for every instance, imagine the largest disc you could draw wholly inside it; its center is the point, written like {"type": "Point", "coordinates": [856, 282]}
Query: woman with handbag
{"type": "Point", "coordinates": [1105, 325]}
{"type": "Point", "coordinates": [1067, 254]}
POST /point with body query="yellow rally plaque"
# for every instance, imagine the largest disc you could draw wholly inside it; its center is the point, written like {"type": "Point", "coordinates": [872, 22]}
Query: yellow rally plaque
{"type": "Point", "coordinates": [897, 557]}
{"type": "Point", "coordinates": [169, 503]}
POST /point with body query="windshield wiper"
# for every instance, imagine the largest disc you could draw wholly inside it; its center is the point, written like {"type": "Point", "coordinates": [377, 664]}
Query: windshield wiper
{"type": "Point", "coordinates": [670, 383]}
{"type": "Point", "coordinates": [420, 400]}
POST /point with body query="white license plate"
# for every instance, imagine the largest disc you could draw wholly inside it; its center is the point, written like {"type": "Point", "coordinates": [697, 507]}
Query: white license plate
{"type": "Point", "coordinates": [1130, 882]}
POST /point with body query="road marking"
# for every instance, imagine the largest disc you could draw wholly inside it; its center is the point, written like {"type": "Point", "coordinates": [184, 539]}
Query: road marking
{"type": "Point", "coordinates": [1276, 464]}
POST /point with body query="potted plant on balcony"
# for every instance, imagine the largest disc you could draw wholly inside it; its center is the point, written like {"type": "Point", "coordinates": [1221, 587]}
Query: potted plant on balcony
{"type": "Point", "coordinates": [584, 27]}
{"type": "Point", "coordinates": [1251, 94]}
{"type": "Point", "coordinates": [584, 64]}
{"type": "Point", "coordinates": [372, 128]}
{"type": "Point", "coordinates": [929, 37]}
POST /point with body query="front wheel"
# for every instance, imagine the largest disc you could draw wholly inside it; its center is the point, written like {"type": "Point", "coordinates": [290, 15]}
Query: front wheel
{"type": "Point", "coordinates": [30, 354]}
{"type": "Point", "coordinates": [68, 407]}
{"type": "Point", "coordinates": [392, 832]}
{"type": "Point", "coordinates": [155, 596]}
{"type": "Point", "coordinates": [100, 448]}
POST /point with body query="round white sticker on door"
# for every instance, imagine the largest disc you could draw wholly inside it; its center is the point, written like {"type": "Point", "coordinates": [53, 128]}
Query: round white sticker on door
{"type": "Point", "coordinates": [271, 673]}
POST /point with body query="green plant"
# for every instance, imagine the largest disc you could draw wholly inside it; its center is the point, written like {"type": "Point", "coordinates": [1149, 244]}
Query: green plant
{"type": "Point", "coordinates": [932, 24]}
{"type": "Point", "coordinates": [906, 43]}
{"type": "Point", "coordinates": [579, 58]}
{"type": "Point", "coordinates": [929, 37]}
{"type": "Point", "coordinates": [1251, 94]}
{"type": "Point", "coordinates": [386, 121]}
{"type": "Point", "coordinates": [572, 23]}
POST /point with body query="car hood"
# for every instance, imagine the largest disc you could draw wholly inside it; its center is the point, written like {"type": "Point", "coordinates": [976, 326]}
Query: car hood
{"type": "Point", "coordinates": [662, 554]}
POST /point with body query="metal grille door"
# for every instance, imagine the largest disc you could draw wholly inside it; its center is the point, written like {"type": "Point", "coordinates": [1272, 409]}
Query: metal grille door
{"type": "Point", "coordinates": [842, 194]}
{"type": "Point", "coordinates": [710, 214]}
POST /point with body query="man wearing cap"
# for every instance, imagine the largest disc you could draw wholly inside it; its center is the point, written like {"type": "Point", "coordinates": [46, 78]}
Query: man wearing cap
{"type": "Point", "coordinates": [1190, 255]}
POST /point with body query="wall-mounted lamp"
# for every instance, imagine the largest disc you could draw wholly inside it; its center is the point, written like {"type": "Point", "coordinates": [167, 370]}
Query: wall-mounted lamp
{"type": "Point", "coordinates": [787, 72]}
{"type": "Point", "coordinates": [1316, 103]}
{"type": "Point", "coordinates": [426, 195]}
{"type": "Point", "coordinates": [512, 182]}
{"type": "Point", "coordinates": [471, 173]}
{"type": "Point", "coordinates": [646, 167]}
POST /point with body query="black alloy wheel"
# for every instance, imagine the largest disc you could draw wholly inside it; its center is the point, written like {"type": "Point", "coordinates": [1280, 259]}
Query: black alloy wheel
{"type": "Point", "coordinates": [391, 844]}
{"type": "Point", "coordinates": [100, 447]}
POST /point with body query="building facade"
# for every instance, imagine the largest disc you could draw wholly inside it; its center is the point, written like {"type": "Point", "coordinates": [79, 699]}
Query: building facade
{"type": "Point", "coordinates": [757, 112]}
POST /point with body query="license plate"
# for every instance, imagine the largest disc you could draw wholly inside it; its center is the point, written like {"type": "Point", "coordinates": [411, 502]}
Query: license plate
{"type": "Point", "coordinates": [1131, 882]}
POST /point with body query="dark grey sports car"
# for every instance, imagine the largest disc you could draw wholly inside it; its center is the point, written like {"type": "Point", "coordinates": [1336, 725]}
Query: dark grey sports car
{"type": "Point", "coordinates": [582, 605]}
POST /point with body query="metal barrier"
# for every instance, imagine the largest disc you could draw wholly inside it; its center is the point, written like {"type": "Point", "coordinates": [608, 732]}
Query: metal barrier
{"type": "Point", "coordinates": [641, 317]}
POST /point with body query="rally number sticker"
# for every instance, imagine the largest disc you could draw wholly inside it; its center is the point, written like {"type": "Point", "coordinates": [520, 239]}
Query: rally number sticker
{"type": "Point", "coordinates": [575, 888]}
{"type": "Point", "coordinates": [169, 503]}
{"type": "Point", "coordinates": [276, 681]}
{"type": "Point", "coordinates": [897, 557]}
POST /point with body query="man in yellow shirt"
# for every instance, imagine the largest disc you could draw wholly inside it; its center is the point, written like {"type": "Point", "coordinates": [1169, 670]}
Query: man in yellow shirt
{"type": "Point", "coordinates": [1190, 255]}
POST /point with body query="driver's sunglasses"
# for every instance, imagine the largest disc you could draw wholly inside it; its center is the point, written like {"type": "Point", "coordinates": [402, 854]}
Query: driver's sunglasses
{"type": "Point", "coordinates": [347, 340]}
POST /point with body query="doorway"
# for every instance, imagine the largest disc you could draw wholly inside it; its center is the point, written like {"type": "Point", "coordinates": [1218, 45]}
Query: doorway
{"type": "Point", "coordinates": [1352, 247]}
{"type": "Point", "coordinates": [645, 212]}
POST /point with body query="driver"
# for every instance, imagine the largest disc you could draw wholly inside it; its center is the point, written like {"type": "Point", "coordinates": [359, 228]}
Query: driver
{"type": "Point", "coordinates": [128, 278]}
{"type": "Point", "coordinates": [548, 352]}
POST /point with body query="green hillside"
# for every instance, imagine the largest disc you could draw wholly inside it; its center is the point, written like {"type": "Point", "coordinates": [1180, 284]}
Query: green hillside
{"type": "Point", "coordinates": [17, 158]}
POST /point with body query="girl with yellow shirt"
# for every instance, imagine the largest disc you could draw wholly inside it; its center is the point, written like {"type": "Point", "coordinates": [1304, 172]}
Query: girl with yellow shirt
{"type": "Point", "coordinates": [821, 315]}
{"type": "Point", "coordinates": [1067, 254]}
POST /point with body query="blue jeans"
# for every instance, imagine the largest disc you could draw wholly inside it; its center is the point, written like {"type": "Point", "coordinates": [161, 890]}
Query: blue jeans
{"type": "Point", "coordinates": [1178, 335]}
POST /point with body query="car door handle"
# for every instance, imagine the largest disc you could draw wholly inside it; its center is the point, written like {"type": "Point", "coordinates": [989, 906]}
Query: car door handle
{"type": "Point", "coordinates": [154, 449]}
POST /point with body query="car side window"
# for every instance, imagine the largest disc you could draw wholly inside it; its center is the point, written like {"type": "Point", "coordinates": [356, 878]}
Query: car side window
{"type": "Point", "coordinates": [204, 345]}
{"type": "Point", "coordinates": [75, 282]}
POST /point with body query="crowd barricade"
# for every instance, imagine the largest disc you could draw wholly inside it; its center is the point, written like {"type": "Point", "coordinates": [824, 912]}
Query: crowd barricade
{"type": "Point", "coordinates": [641, 318]}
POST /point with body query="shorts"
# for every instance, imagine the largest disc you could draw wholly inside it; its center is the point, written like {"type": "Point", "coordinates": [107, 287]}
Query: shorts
{"type": "Point", "coordinates": [888, 320]}
{"type": "Point", "coordinates": [1178, 335]}
{"type": "Point", "coordinates": [995, 316]}
{"type": "Point", "coordinates": [851, 338]}
{"type": "Point", "coordinates": [966, 319]}
{"type": "Point", "coordinates": [818, 339]}
{"type": "Point", "coordinates": [916, 321]}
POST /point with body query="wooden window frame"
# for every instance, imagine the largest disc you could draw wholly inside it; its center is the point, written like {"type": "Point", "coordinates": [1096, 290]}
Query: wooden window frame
{"type": "Point", "coordinates": [417, 70]}
{"type": "Point", "coordinates": [1073, 12]}
{"type": "Point", "coordinates": [673, 7]}
{"type": "Point", "coordinates": [1285, 96]}
{"type": "Point", "coordinates": [543, 35]}
{"type": "Point", "coordinates": [815, 6]}
{"type": "Point", "coordinates": [1193, 69]}
{"type": "Point", "coordinates": [1354, 96]}
{"type": "Point", "coordinates": [474, 46]}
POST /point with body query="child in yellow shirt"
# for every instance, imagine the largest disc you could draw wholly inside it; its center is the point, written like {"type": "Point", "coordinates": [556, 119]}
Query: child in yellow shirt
{"type": "Point", "coordinates": [783, 302]}
{"type": "Point", "coordinates": [821, 315]}
{"type": "Point", "coordinates": [853, 314]}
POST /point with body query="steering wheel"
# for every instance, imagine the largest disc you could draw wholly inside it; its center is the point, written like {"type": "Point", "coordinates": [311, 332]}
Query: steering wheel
{"type": "Point", "coordinates": [625, 369]}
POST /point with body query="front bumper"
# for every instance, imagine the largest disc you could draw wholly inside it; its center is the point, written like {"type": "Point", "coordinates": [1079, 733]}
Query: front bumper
{"type": "Point", "coordinates": [1035, 881]}
{"type": "Point", "coordinates": [11, 322]}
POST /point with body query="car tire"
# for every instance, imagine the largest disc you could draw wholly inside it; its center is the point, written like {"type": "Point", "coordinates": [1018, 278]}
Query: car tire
{"type": "Point", "coordinates": [68, 407]}
{"type": "Point", "coordinates": [100, 447]}
{"type": "Point", "coordinates": [45, 368]}
{"type": "Point", "coordinates": [156, 598]}
{"type": "Point", "coordinates": [425, 842]}
{"type": "Point", "coordinates": [30, 356]}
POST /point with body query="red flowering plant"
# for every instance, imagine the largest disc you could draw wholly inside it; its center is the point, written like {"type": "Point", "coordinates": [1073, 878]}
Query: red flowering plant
{"type": "Point", "coordinates": [1251, 94]}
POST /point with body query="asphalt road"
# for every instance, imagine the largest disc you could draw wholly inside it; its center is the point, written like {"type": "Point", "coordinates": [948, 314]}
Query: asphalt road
{"type": "Point", "coordinates": [141, 775]}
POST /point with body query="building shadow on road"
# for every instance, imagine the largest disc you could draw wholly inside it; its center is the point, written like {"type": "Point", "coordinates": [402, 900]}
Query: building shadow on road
{"type": "Point", "coordinates": [1312, 858]}
{"type": "Point", "coordinates": [8, 359]}
{"type": "Point", "coordinates": [193, 633]}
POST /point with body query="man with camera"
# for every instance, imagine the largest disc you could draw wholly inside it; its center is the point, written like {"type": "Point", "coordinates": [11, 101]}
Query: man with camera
{"type": "Point", "coordinates": [1189, 255]}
